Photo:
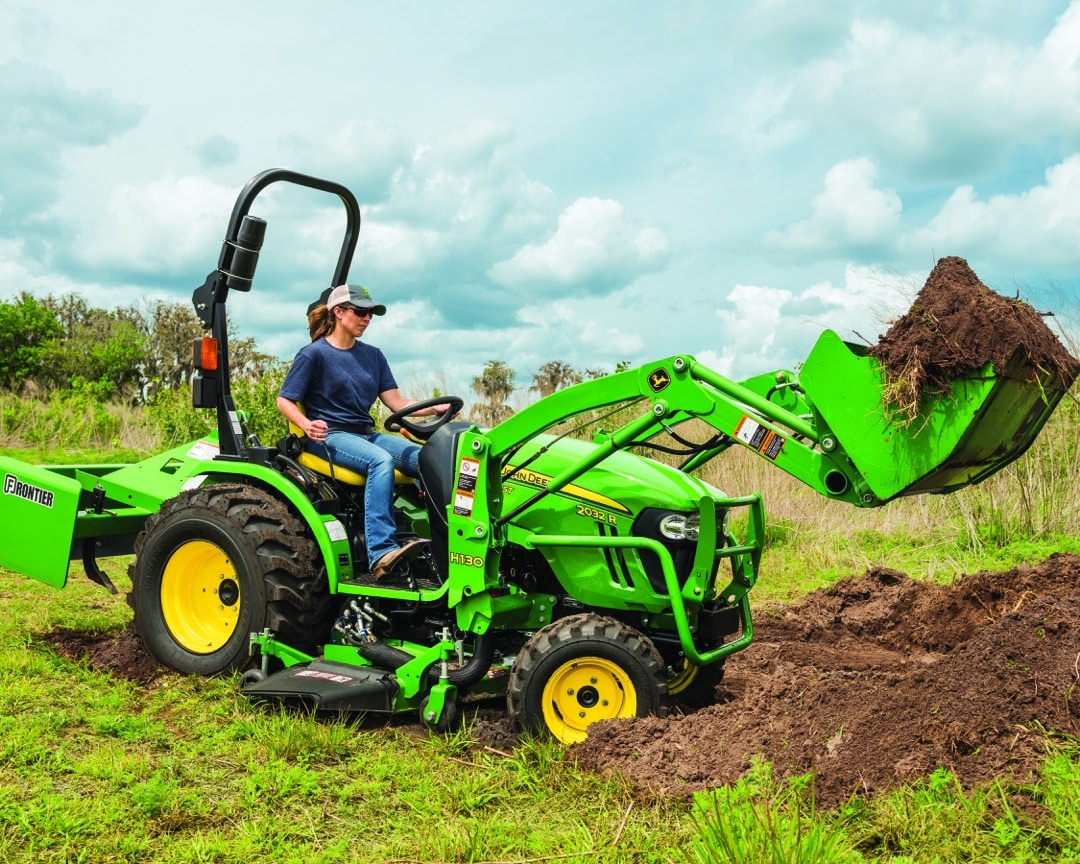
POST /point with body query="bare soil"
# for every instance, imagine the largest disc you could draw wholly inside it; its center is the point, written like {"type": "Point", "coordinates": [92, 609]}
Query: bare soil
{"type": "Point", "coordinates": [123, 655]}
{"type": "Point", "coordinates": [878, 680]}
{"type": "Point", "coordinates": [875, 681]}
{"type": "Point", "coordinates": [956, 327]}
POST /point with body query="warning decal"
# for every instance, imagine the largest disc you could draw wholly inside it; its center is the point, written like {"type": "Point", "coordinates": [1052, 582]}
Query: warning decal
{"type": "Point", "coordinates": [463, 503]}
{"type": "Point", "coordinates": [465, 494]}
{"type": "Point", "coordinates": [759, 437]}
{"type": "Point", "coordinates": [468, 471]}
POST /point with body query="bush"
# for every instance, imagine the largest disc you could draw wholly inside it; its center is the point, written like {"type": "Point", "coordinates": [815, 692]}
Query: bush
{"type": "Point", "coordinates": [62, 419]}
{"type": "Point", "coordinates": [258, 398]}
{"type": "Point", "coordinates": [175, 421]}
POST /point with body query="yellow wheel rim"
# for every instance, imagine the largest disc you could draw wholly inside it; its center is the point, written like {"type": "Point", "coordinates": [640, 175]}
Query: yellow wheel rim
{"type": "Point", "coordinates": [583, 691]}
{"type": "Point", "coordinates": [200, 597]}
{"type": "Point", "coordinates": [683, 678]}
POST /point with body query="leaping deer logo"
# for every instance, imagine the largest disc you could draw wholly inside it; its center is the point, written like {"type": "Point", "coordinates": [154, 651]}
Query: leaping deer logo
{"type": "Point", "coordinates": [658, 380]}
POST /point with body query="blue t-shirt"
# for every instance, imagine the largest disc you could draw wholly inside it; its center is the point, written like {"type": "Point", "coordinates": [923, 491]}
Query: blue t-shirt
{"type": "Point", "coordinates": [338, 385]}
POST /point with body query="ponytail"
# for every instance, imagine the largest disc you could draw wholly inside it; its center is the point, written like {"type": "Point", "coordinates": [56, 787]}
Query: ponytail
{"type": "Point", "coordinates": [321, 322]}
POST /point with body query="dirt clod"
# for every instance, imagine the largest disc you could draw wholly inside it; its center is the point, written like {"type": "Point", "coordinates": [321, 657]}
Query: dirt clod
{"type": "Point", "coordinates": [955, 327]}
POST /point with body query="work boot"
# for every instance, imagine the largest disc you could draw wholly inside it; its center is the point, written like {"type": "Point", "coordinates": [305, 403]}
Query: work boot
{"type": "Point", "coordinates": [403, 553]}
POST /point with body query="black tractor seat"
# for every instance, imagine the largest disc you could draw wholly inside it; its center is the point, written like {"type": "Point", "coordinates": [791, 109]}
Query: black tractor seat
{"type": "Point", "coordinates": [437, 464]}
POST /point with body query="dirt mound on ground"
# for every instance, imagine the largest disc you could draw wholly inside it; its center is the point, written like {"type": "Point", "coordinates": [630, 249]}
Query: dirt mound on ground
{"type": "Point", "coordinates": [877, 680]}
{"type": "Point", "coordinates": [956, 326]}
{"type": "Point", "coordinates": [122, 655]}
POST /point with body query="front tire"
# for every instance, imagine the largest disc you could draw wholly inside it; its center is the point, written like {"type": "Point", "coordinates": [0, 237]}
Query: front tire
{"type": "Point", "coordinates": [582, 669]}
{"type": "Point", "coordinates": [694, 687]}
{"type": "Point", "coordinates": [218, 563]}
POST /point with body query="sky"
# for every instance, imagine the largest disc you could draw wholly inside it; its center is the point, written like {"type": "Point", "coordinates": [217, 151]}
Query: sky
{"type": "Point", "coordinates": [595, 182]}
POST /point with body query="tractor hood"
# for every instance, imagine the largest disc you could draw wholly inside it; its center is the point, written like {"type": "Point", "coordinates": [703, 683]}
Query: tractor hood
{"type": "Point", "coordinates": [623, 483]}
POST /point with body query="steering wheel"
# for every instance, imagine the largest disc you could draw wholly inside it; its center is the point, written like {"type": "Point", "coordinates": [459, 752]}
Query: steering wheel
{"type": "Point", "coordinates": [400, 419]}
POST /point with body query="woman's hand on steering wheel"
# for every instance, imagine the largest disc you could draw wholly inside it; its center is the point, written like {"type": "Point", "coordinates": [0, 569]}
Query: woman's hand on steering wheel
{"type": "Point", "coordinates": [401, 420]}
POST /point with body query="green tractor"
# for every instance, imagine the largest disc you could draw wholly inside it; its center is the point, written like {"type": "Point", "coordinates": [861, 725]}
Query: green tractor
{"type": "Point", "coordinates": [579, 579]}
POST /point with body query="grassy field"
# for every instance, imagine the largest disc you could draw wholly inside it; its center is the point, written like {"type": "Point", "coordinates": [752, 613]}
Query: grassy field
{"type": "Point", "coordinates": [96, 769]}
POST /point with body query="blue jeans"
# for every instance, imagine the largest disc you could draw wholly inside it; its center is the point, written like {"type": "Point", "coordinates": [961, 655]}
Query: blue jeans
{"type": "Point", "coordinates": [375, 456]}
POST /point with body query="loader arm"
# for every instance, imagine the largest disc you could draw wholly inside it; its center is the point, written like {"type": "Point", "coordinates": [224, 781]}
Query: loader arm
{"type": "Point", "coordinates": [678, 389]}
{"type": "Point", "coordinates": [829, 427]}
{"type": "Point", "coordinates": [669, 392]}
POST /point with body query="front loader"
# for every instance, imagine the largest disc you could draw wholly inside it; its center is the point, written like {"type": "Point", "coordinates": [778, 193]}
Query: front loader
{"type": "Point", "coordinates": [580, 579]}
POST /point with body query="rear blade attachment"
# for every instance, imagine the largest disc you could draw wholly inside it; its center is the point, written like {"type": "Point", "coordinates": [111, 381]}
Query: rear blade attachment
{"type": "Point", "coordinates": [38, 508]}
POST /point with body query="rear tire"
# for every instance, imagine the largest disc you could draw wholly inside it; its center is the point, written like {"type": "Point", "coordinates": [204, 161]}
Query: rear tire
{"type": "Point", "coordinates": [581, 669]}
{"type": "Point", "coordinates": [218, 563]}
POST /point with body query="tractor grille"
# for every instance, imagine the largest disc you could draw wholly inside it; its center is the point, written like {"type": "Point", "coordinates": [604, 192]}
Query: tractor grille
{"type": "Point", "coordinates": [682, 551]}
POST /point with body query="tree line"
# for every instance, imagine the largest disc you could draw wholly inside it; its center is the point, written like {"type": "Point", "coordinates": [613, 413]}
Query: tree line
{"type": "Point", "coordinates": [133, 353]}
{"type": "Point", "coordinates": [128, 354]}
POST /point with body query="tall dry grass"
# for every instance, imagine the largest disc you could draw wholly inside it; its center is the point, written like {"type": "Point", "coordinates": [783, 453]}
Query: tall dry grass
{"type": "Point", "coordinates": [1032, 502]}
{"type": "Point", "coordinates": [64, 419]}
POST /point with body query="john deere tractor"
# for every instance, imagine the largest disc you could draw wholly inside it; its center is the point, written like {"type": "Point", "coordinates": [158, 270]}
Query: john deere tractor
{"type": "Point", "coordinates": [581, 579]}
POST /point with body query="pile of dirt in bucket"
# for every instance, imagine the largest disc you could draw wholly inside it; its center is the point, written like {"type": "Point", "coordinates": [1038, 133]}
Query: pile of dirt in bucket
{"type": "Point", "coordinates": [956, 327]}
{"type": "Point", "coordinates": [877, 680]}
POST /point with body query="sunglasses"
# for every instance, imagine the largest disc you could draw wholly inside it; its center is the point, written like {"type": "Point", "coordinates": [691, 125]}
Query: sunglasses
{"type": "Point", "coordinates": [360, 313]}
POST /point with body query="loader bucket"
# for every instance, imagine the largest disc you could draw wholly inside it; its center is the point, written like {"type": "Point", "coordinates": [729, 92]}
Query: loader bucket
{"type": "Point", "coordinates": [961, 437]}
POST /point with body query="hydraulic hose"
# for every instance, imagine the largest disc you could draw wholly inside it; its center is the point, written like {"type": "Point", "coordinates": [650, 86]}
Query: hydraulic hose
{"type": "Point", "coordinates": [390, 658]}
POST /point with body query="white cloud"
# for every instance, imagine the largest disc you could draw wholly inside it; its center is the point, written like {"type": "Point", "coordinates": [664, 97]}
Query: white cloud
{"type": "Point", "coordinates": [765, 119]}
{"type": "Point", "coordinates": [565, 329]}
{"type": "Point", "coordinates": [15, 278]}
{"type": "Point", "coordinates": [765, 328]}
{"type": "Point", "coordinates": [934, 98]}
{"type": "Point", "coordinates": [594, 244]}
{"type": "Point", "coordinates": [461, 177]}
{"type": "Point", "coordinates": [364, 156]}
{"type": "Point", "coordinates": [1061, 48]}
{"type": "Point", "coordinates": [158, 228]}
{"type": "Point", "coordinates": [868, 300]}
{"type": "Point", "coordinates": [1039, 225]}
{"type": "Point", "coordinates": [751, 320]}
{"type": "Point", "coordinates": [851, 216]}
{"type": "Point", "coordinates": [394, 247]}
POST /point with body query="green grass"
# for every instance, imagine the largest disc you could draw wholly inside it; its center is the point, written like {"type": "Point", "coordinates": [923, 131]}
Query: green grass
{"type": "Point", "coordinates": [799, 558]}
{"type": "Point", "coordinates": [98, 769]}
{"type": "Point", "coordinates": [73, 455]}
{"type": "Point", "coordinates": [935, 821]}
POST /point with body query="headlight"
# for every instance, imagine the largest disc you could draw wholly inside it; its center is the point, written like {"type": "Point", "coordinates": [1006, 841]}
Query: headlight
{"type": "Point", "coordinates": [680, 526]}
